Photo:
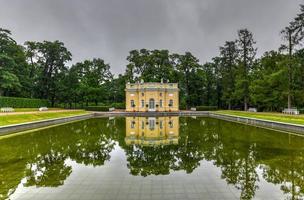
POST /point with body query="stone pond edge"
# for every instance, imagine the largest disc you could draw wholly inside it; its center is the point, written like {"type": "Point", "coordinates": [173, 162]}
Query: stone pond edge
{"type": "Point", "coordinates": [280, 126]}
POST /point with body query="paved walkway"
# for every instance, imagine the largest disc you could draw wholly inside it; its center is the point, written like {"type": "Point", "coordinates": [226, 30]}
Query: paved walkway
{"type": "Point", "coordinates": [35, 112]}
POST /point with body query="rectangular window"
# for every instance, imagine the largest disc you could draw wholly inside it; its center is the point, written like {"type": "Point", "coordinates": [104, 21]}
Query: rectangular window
{"type": "Point", "coordinates": [171, 103]}
{"type": "Point", "coordinates": [160, 94]}
{"type": "Point", "coordinates": [142, 125]}
{"type": "Point", "coordinates": [160, 124]}
{"type": "Point", "coordinates": [161, 103]}
{"type": "Point", "coordinates": [132, 104]}
{"type": "Point", "coordinates": [132, 124]}
{"type": "Point", "coordinates": [142, 94]}
{"type": "Point", "coordinates": [151, 124]}
{"type": "Point", "coordinates": [142, 103]}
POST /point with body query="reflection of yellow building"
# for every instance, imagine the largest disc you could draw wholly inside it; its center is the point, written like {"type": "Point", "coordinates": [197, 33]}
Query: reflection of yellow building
{"type": "Point", "coordinates": [145, 97]}
{"type": "Point", "coordinates": [152, 130]}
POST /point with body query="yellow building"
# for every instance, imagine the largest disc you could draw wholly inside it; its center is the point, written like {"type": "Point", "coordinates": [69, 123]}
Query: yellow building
{"type": "Point", "coordinates": [144, 97]}
{"type": "Point", "coordinates": [149, 131]}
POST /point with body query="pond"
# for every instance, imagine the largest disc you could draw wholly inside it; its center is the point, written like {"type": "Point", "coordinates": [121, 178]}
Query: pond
{"type": "Point", "coordinates": [152, 158]}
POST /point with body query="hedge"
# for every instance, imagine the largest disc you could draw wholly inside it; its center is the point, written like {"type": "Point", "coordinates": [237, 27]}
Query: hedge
{"type": "Point", "coordinates": [118, 105]}
{"type": "Point", "coordinates": [97, 108]}
{"type": "Point", "coordinates": [206, 108]}
{"type": "Point", "coordinates": [15, 102]}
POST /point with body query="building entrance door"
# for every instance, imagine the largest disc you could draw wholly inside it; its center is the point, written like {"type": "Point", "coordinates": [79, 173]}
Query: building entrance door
{"type": "Point", "coordinates": [151, 105]}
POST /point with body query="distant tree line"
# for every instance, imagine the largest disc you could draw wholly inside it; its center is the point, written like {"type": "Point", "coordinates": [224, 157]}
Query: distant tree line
{"type": "Point", "coordinates": [235, 79]}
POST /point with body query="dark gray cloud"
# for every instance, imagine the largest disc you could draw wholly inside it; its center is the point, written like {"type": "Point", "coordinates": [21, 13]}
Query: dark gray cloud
{"type": "Point", "coordinates": [109, 29]}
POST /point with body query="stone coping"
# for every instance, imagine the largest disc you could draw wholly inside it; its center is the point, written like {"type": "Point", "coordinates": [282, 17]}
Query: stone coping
{"type": "Point", "coordinates": [279, 126]}
{"type": "Point", "coordinates": [4, 130]}
{"type": "Point", "coordinates": [269, 124]}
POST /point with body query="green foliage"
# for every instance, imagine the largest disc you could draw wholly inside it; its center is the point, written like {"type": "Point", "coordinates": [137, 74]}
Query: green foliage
{"type": "Point", "coordinates": [118, 105]}
{"type": "Point", "coordinates": [97, 108]}
{"type": "Point", "coordinates": [206, 108]}
{"type": "Point", "coordinates": [22, 102]}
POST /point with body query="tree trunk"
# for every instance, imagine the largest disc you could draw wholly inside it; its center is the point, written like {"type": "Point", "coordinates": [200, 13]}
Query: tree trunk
{"type": "Point", "coordinates": [245, 104]}
{"type": "Point", "coordinates": [289, 70]}
{"type": "Point", "coordinates": [53, 102]}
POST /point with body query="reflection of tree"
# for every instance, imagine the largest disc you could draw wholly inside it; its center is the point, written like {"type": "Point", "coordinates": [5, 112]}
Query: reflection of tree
{"type": "Point", "coordinates": [10, 175]}
{"type": "Point", "coordinates": [149, 160]}
{"type": "Point", "coordinates": [92, 149]}
{"type": "Point", "coordinates": [41, 156]}
{"type": "Point", "coordinates": [48, 171]}
{"type": "Point", "coordinates": [156, 160]}
{"type": "Point", "coordinates": [289, 172]}
{"type": "Point", "coordinates": [235, 155]}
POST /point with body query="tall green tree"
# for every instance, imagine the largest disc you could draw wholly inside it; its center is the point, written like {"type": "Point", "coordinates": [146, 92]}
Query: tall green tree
{"type": "Point", "coordinates": [292, 34]}
{"type": "Point", "coordinates": [228, 57]}
{"type": "Point", "coordinates": [247, 52]}
{"type": "Point", "coordinates": [269, 86]}
{"type": "Point", "coordinates": [93, 75]}
{"type": "Point", "coordinates": [149, 66]}
{"type": "Point", "coordinates": [51, 61]}
{"type": "Point", "coordinates": [186, 65]}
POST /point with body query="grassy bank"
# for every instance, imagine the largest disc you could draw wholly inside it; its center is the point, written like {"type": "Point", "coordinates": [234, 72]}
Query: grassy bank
{"type": "Point", "coordinates": [22, 118]}
{"type": "Point", "coordinates": [33, 109]}
{"type": "Point", "coordinates": [294, 119]}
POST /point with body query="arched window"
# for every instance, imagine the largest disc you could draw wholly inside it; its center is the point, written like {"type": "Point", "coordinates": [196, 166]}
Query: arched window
{"type": "Point", "coordinates": [151, 104]}
{"type": "Point", "coordinates": [151, 124]}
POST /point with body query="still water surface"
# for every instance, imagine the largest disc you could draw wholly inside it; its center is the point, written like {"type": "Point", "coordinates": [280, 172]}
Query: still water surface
{"type": "Point", "coordinates": [152, 158]}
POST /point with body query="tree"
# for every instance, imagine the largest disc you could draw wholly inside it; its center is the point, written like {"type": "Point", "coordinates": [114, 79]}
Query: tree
{"type": "Point", "coordinates": [186, 65]}
{"type": "Point", "coordinates": [13, 67]}
{"type": "Point", "coordinates": [149, 66]}
{"type": "Point", "coordinates": [228, 58]}
{"type": "Point", "coordinates": [247, 52]}
{"type": "Point", "coordinates": [292, 34]}
{"type": "Point", "coordinates": [93, 75]}
{"type": "Point", "coordinates": [269, 82]}
{"type": "Point", "coordinates": [51, 61]}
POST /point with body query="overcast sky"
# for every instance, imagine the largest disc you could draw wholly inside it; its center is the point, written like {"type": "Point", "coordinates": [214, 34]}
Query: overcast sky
{"type": "Point", "coordinates": [109, 29]}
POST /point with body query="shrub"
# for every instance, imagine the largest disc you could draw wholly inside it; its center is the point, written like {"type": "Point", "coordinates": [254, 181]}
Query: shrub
{"type": "Point", "coordinates": [15, 102]}
{"type": "Point", "coordinates": [182, 107]}
{"type": "Point", "coordinates": [119, 105]}
{"type": "Point", "coordinates": [97, 108]}
{"type": "Point", "coordinates": [206, 108]}
{"type": "Point", "coordinates": [301, 110]}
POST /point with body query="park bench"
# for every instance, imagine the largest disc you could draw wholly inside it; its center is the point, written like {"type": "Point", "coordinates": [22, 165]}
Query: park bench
{"type": "Point", "coordinates": [111, 109]}
{"type": "Point", "coordinates": [252, 110]}
{"type": "Point", "coordinates": [291, 111]}
{"type": "Point", "coordinates": [7, 109]}
{"type": "Point", "coordinates": [43, 109]}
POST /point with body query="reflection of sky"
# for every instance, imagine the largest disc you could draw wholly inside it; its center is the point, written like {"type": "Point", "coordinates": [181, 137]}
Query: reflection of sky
{"type": "Point", "coordinates": [113, 181]}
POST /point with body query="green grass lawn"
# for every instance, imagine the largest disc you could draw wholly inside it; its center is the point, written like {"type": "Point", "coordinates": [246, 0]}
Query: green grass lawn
{"type": "Point", "coordinates": [33, 109]}
{"type": "Point", "coordinates": [21, 118]}
{"type": "Point", "coordinates": [294, 119]}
